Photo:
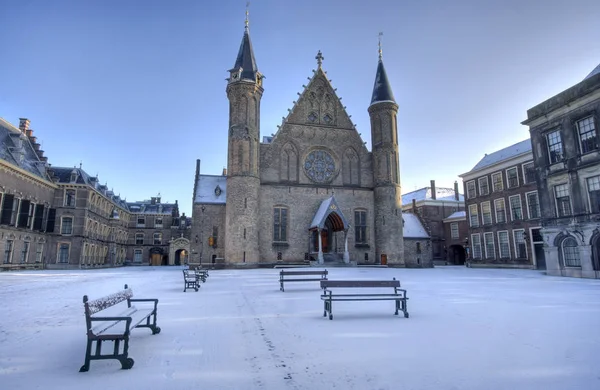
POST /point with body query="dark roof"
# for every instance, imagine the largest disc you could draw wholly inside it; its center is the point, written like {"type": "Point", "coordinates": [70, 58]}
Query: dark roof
{"type": "Point", "coordinates": [382, 92]}
{"type": "Point", "coordinates": [147, 207]}
{"type": "Point", "coordinates": [593, 72]}
{"type": "Point", "coordinates": [16, 149]}
{"type": "Point", "coordinates": [245, 59]}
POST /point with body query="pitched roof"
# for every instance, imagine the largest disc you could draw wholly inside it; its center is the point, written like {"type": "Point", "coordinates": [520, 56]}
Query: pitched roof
{"type": "Point", "coordinates": [593, 72]}
{"type": "Point", "coordinates": [147, 207]}
{"type": "Point", "coordinates": [245, 59]}
{"type": "Point", "coordinates": [456, 215]}
{"type": "Point", "coordinates": [515, 150]}
{"type": "Point", "coordinates": [211, 189]}
{"type": "Point", "coordinates": [327, 207]}
{"type": "Point", "coordinates": [413, 228]}
{"type": "Point", "coordinates": [445, 194]}
{"type": "Point", "coordinates": [382, 91]}
{"type": "Point", "coordinates": [16, 149]}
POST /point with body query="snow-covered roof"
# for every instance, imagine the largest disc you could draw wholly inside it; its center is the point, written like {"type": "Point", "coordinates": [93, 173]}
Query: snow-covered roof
{"type": "Point", "coordinates": [445, 194]}
{"type": "Point", "coordinates": [413, 227]}
{"type": "Point", "coordinates": [594, 72]}
{"type": "Point", "coordinates": [16, 148]}
{"type": "Point", "coordinates": [456, 215]}
{"type": "Point", "coordinates": [504, 154]}
{"type": "Point", "coordinates": [327, 207]}
{"type": "Point", "coordinates": [211, 189]}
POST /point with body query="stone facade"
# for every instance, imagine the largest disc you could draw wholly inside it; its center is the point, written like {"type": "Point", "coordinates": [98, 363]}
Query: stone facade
{"type": "Point", "coordinates": [566, 153]}
{"type": "Point", "coordinates": [267, 207]}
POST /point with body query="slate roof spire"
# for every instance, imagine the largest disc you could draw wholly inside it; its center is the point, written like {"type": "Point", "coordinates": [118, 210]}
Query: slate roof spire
{"type": "Point", "coordinates": [245, 65]}
{"type": "Point", "coordinates": [382, 92]}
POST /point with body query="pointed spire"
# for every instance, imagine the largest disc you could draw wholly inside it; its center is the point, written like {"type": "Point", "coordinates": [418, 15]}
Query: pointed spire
{"type": "Point", "coordinates": [245, 65]}
{"type": "Point", "coordinates": [382, 91]}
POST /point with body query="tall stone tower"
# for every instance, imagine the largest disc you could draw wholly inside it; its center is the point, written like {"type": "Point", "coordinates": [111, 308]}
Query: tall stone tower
{"type": "Point", "coordinates": [389, 242]}
{"type": "Point", "coordinates": [244, 91]}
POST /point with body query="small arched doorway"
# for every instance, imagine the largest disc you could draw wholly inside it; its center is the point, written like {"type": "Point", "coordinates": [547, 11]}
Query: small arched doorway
{"type": "Point", "coordinates": [181, 257]}
{"type": "Point", "coordinates": [156, 256]}
{"type": "Point", "coordinates": [457, 255]}
{"type": "Point", "coordinates": [596, 251]}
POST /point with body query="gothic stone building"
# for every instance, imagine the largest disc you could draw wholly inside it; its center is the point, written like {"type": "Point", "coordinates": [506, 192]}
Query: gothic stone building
{"type": "Point", "coordinates": [312, 191]}
{"type": "Point", "coordinates": [56, 217]}
{"type": "Point", "coordinates": [566, 154]}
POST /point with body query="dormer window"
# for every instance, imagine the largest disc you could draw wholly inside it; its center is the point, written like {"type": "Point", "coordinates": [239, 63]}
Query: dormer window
{"type": "Point", "coordinates": [218, 191]}
{"type": "Point", "coordinates": [74, 176]}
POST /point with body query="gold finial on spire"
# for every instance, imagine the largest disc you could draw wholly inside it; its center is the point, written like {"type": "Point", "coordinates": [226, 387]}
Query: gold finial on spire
{"type": "Point", "coordinates": [380, 52]}
{"type": "Point", "coordinates": [319, 58]}
{"type": "Point", "coordinates": [246, 22]}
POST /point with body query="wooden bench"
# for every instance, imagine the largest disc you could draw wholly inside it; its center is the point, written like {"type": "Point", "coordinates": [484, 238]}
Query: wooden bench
{"type": "Point", "coordinates": [295, 276]}
{"type": "Point", "coordinates": [190, 280]}
{"type": "Point", "coordinates": [399, 295]}
{"type": "Point", "coordinates": [106, 320]}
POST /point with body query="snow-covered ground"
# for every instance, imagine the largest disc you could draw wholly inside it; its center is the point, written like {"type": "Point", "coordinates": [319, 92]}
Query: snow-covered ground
{"type": "Point", "coordinates": [468, 329]}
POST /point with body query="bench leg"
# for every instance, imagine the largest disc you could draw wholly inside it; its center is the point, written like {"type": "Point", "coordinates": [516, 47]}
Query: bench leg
{"type": "Point", "coordinates": [281, 285]}
{"type": "Point", "coordinates": [405, 308]}
{"type": "Point", "coordinates": [88, 351]}
{"type": "Point", "coordinates": [397, 307]}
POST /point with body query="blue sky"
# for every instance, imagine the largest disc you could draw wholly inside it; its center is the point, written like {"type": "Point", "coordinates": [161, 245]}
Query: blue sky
{"type": "Point", "coordinates": [135, 90]}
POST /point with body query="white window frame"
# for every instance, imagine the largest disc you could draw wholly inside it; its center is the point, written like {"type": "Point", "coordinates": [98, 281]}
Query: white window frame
{"type": "Point", "coordinates": [496, 210]}
{"type": "Point", "coordinates": [137, 221]}
{"type": "Point", "coordinates": [31, 215]}
{"type": "Point", "coordinates": [524, 172]}
{"type": "Point", "coordinates": [562, 249]}
{"type": "Point", "coordinates": [512, 217]}
{"type": "Point", "coordinates": [491, 220]}
{"type": "Point", "coordinates": [58, 245]}
{"type": "Point", "coordinates": [589, 198]}
{"type": "Point", "coordinates": [485, 245]}
{"type": "Point", "coordinates": [508, 178]}
{"type": "Point", "coordinates": [474, 189]}
{"type": "Point", "coordinates": [62, 220]}
{"type": "Point", "coordinates": [500, 181]}
{"type": "Point", "coordinates": [479, 181]}
{"type": "Point", "coordinates": [136, 238]}
{"type": "Point", "coordinates": [515, 242]}
{"type": "Point", "coordinates": [136, 253]}
{"type": "Point", "coordinates": [473, 246]}
{"type": "Point", "coordinates": [471, 215]}
{"type": "Point", "coordinates": [65, 203]}
{"type": "Point", "coordinates": [562, 147]}
{"type": "Point", "coordinates": [9, 250]}
{"type": "Point", "coordinates": [39, 252]}
{"type": "Point", "coordinates": [500, 244]}
{"type": "Point", "coordinates": [154, 240]}
{"type": "Point", "coordinates": [558, 214]}
{"type": "Point", "coordinates": [454, 230]}
{"type": "Point", "coordinates": [25, 252]}
{"type": "Point", "coordinates": [577, 125]}
{"type": "Point", "coordinates": [156, 222]}
{"type": "Point", "coordinates": [538, 205]}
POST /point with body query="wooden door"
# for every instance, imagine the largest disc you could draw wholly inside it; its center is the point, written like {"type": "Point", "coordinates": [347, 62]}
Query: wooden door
{"type": "Point", "coordinates": [324, 242]}
{"type": "Point", "coordinates": [156, 259]}
{"type": "Point", "coordinates": [384, 259]}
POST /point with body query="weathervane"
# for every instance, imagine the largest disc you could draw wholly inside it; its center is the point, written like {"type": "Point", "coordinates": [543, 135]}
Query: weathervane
{"type": "Point", "coordinates": [380, 52]}
{"type": "Point", "coordinates": [319, 58]}
{"type": "Point", "coordinates": [246, 22]}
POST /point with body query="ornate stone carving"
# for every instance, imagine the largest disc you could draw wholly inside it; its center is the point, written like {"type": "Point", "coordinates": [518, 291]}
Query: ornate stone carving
{"type": "Point", "coordinates": [319, 166]}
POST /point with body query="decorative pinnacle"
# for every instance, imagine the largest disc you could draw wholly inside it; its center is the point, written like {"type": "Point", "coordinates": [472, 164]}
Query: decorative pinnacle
{"type": "Point", "coordinates": [380, 52]}
{"type": "Point", "coordinates": [246, 21]}
{"type": "Point", "coordinates": [319, 58]}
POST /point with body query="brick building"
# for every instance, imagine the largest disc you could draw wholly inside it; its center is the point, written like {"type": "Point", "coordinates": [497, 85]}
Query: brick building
{"type": "Point", "coordinates": [503, 210]}
{"type": "Point", "coordinates": [57, 217]}
{"type": "Point", "coordinates": [433, 205]}
{"type": "Point", "coordinates": [564, 130]}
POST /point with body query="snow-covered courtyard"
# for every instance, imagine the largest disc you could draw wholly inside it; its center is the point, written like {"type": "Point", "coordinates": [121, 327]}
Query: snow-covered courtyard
{"type": "Point", "coordinates": [468, 329]}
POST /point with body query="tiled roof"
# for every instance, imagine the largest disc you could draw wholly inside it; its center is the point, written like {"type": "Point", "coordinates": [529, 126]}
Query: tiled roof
{"type": "Point", "coordinates": [504, 154]}
{"type": "Point", "coordinates": [413, 227]}
{"type": "Point", "coordinates": [16, 149]}
{"type": "Point", "coordinates": [322, 213]}
{"type": "Point", "coordinates": [146, 207]}
{"type": "Point", "coordinates": [445, 194]}
{"type": "Point", "coordinates": [211, 189]}
{"type": "Point", "coordinates": [382, 91]}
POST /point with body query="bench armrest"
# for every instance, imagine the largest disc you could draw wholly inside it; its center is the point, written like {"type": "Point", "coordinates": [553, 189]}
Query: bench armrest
{"type": "Point", "coordinates": [145, 300]}
{"type": "Point", "coordinates": [94, 319]}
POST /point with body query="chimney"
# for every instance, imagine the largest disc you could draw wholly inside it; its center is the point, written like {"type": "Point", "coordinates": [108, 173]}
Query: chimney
{"type": "Point", "coordinates": [36, 146]}
{"type": "Point", "coordinates": [433, 193]}
{"type": "Point", "coordinates": [153, 200]}
{"type": "Point", "coordinates": [23, 125]}
{"type": "Point", "coordinates": [224, 171]}
{"type": "Point", "coordinates": [456, 194]}
{"type": "Point", "coordinates": [414, 205]}
{"type": "Point", "coordinates": [29, 133]}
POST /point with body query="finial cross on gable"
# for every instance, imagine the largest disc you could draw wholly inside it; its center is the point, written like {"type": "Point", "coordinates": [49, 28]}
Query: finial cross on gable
{"type": "Point", "coordinates": [319, 58]}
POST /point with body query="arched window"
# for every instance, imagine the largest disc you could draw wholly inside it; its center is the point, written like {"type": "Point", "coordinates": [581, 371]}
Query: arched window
{"type": "Point", "coordinates": [280, 221]}
{"type": "Point", "coordinates": [570, 253]}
